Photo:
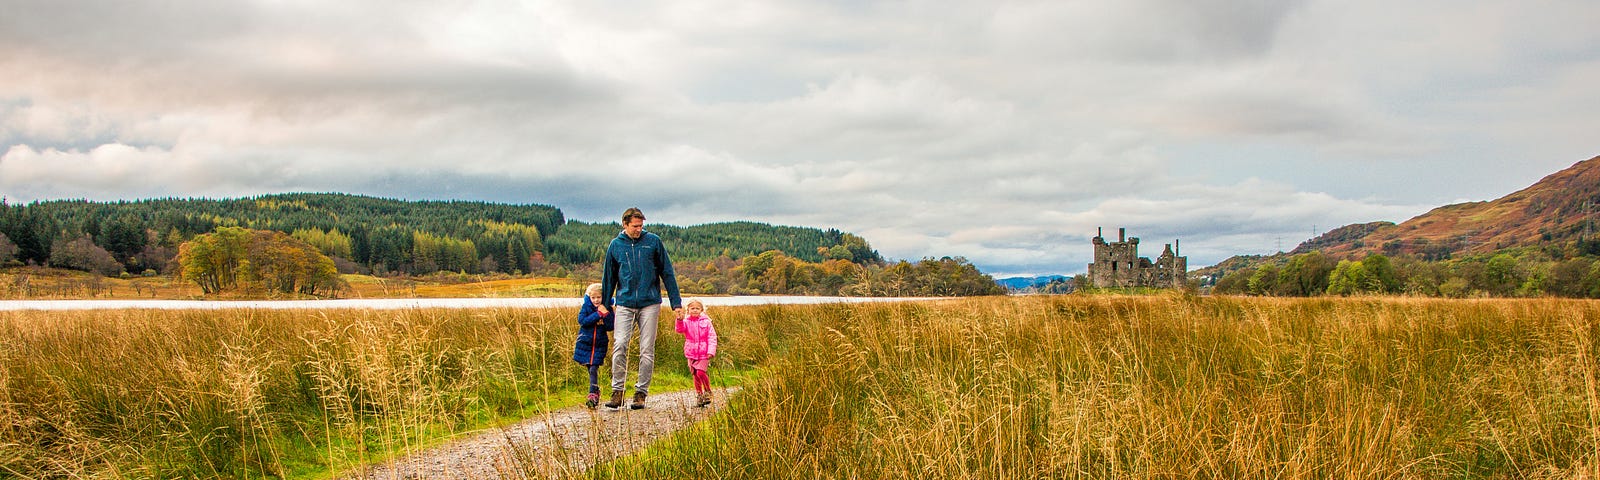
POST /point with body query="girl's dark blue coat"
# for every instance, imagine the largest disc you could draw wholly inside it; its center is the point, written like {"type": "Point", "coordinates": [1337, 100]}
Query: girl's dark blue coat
{"type": "Point", "coordinates": [593, 342]}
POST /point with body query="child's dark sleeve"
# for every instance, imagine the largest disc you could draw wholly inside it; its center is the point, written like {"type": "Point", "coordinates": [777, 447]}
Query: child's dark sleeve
{"type": "Point", "coordinates": [589, 316]}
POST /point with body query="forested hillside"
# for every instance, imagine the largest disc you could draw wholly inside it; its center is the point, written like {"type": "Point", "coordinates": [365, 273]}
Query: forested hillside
{"type": "Point", "coordinates": [389, 237]}
{"type": "Point", "coordinates": [385, 235]}
{"type": "Point", "coordinates": [380, 235]}
{"type": "Point", "coordinates": [579, 242]}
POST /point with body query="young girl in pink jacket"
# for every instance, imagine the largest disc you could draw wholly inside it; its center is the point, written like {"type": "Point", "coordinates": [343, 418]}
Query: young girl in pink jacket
{"type": "Point", "coordinates": [699, 345]}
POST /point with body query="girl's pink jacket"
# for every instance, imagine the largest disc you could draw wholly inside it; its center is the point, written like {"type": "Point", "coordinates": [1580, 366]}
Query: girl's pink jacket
{"type": "Point", "coordinates": [699, 337]}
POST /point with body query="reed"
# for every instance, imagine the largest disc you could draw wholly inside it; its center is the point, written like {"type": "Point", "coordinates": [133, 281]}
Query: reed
{"type": "Point", "coordinates": [1162, 387]}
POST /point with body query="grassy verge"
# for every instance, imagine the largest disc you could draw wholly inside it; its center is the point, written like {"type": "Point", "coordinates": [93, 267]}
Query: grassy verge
{"type": "Point", "coordinates": [273, 393]}
{"type": "Point", "coordinates": [1164, 387]}
{"type": "Point", "coordinates": [1026, 387]}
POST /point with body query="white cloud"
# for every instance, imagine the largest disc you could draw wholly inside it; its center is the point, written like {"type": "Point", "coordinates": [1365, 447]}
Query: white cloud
{"type": "Point", "coordinates": [1004, 132]}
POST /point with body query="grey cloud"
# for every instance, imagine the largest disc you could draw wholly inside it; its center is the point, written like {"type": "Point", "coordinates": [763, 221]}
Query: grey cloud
{"type": "Point", "coordinates": [1001, 132]}
{"type": "Point", "coordinates": [53, 126]}
{"type": "Point", "coordinates": [280, 60]}
{"type": "Point", "coordinates": [1143, 31]}
{"type": "Point", "coordinates": [108, 29]}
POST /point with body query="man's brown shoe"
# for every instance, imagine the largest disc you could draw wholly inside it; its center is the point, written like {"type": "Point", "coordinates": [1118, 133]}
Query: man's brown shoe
{"type": "Point", "coordinates": [616, 400]}
{"type": "Point", "coordinates": [638, 400]}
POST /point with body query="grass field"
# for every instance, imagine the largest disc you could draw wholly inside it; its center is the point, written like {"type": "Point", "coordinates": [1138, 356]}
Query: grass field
{"type": "Point", "coordinates": [54, 283]}
{"type": "Point", "coordinates": [272, 393]}
{"type": "Point", "coordinates": [1018, 387]}
{"type": "Point", "coordinates": [1164, 387]}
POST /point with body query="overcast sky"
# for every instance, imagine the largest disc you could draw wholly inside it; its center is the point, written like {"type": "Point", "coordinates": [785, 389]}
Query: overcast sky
{"type": "Point", "coordinates": [1004, 132]}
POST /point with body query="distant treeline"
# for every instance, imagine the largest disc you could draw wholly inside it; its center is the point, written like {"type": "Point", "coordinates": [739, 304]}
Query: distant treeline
{"type": "Point", "coordinates": [577, 243]}
{"type": "Point", "coordinates": [374, 234]}
{"type": "Point", "coordinates": [1565, 271]}
{"type": "Point", "coordinates": [395, 237]}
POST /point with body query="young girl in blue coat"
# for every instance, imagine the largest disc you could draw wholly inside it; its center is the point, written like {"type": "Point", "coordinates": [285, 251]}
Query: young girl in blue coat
{"type": "Point", "coordinates": [594, 320]}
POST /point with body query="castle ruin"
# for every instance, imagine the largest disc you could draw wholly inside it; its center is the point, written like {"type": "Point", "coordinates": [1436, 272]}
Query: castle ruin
{"type": "Point", "coordinates": [1118, 264]}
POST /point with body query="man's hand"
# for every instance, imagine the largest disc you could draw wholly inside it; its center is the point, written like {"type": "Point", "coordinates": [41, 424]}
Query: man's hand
{"type": "Point", "coordinates": [678, 312]}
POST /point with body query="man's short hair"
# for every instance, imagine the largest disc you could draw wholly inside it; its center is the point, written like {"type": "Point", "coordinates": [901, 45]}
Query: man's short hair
{"type": "Point", "coordinates": [630, 213]}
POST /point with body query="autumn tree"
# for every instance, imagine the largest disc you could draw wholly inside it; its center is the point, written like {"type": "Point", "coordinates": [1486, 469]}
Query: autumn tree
{"type": "Point", "coordinates": [332, 243]}
{"type": "Point", "coordinates": [280, 263]}
{"type": "Point", "coordinates": [82, 254]}
{"type": "Point", "coordinates": [234, 257]}
{"type": "Point", "coordinates": [212, 260]}
{"type": "Point", "coordinates": [755, 267]}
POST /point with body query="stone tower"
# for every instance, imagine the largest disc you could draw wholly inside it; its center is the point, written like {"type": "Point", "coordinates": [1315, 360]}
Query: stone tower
{"type": "Point", "coordinates": [1118, 264]}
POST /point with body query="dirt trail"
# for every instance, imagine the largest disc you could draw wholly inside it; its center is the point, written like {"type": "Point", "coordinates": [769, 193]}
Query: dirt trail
{"type": "Point", "coordinates": [562, 443]}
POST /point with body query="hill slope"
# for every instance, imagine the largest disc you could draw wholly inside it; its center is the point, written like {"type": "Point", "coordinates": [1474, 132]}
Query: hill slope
{"type": "Point", "coordinates": [1555, 210]}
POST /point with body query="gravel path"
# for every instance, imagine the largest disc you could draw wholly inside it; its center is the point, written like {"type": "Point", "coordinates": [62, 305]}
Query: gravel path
{"type": "Point", "coordinates": [560, 444]}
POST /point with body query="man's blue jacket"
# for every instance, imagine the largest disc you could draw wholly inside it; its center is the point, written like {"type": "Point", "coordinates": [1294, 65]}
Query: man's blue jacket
{"type": "Point", "coordinates": [635, 271]}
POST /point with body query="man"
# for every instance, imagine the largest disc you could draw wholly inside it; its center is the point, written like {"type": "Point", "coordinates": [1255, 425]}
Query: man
{"type": "Point", "coordinates": [636, 267]}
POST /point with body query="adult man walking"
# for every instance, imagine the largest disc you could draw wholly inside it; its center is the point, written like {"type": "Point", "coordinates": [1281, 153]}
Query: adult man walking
{"type": "Point", "coordinates": [636, 268]}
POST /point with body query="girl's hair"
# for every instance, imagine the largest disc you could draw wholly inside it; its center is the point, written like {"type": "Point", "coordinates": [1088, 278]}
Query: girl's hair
{"type": "Point", "coordinates": [695, 301]}
{"type": "Point", "coordinates": [593, 287]}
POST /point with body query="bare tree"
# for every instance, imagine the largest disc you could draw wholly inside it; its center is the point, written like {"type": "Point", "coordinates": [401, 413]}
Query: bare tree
{"type": "Point", "coordinates": [8, 251]}
{"type": "Point", "coordinates": [83, 254]}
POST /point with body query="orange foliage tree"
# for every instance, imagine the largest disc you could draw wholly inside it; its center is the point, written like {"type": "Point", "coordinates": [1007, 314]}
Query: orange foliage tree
{"type": "Point", "coordinates": [233, 257]}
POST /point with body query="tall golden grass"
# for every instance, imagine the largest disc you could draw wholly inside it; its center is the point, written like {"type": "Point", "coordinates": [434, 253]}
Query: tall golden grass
{"type": "Point", "coordinates": [1022, 387]}
{"type": "Point", "coordinates": [1163, 387]}
{"type": "Point", "coordinates": [267, 393]}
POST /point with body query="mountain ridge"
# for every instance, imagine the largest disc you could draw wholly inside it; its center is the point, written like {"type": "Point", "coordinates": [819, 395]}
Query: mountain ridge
{"type": "Point", "coordinates": [1557, 210]}
{"type": "Point", "coordinates": [1552, 210]}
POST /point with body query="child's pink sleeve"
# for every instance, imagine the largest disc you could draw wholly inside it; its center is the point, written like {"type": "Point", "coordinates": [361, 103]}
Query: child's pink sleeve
{"type": "Point", "coordinates": [678, 325]}
{"type": "Point", "coordinates": [711, 349]}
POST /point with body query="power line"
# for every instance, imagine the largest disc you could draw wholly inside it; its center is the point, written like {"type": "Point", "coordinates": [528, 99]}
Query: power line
{"type": "Point", "coordinates": [1588, 221]}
